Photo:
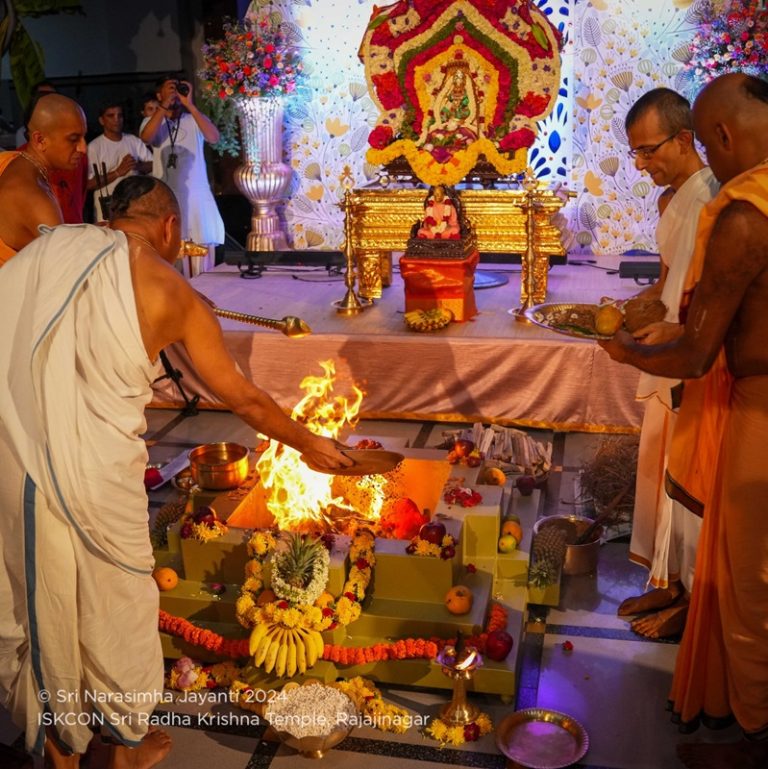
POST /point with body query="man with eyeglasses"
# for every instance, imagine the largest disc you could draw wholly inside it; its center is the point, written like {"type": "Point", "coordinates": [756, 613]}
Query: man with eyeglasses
{"type": "Point", "coordinates": [664, 533]}
{"type": "Point", "coordinates": [721, 670]}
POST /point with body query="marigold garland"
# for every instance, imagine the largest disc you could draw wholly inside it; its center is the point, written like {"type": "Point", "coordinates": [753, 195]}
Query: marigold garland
{"type": "Point", "coordinates": [368, 700]}
{"type": "Point", "coordinates": [447, 734]}
{"type": "Point", "coordinates": [445, 550]}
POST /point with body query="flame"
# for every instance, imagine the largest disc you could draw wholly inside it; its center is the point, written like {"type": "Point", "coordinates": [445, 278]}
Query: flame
{"type": "Point", "coordinates": [299, 498]}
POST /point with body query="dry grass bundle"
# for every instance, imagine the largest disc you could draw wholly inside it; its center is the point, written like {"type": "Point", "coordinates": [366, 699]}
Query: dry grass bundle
{"type": "Point", "coordinates": [611, 474]}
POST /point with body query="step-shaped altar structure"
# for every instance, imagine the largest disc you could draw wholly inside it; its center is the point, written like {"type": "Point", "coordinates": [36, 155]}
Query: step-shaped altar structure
{"type": "Point", "coordinates": [406, 596]}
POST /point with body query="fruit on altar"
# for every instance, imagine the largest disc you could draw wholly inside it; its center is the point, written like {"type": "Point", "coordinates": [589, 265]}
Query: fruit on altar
{"type": "Point", "coordinates": [498, 645]}
{"type": "Point", "coordinates": [402, 518]}
{"type": "Point", "coordinates": [514, 528]}
{"type": "Point", "coordinates": [266, 596]}
{"type": "Point", "coordinates": [512, 517]}
{"type": "Point", "coordinates": [165, 578]}
{"type": "Point", "coordinates": [325, 599]}
{"type": "Point", "coordinates": [433, 531]}
{"type": "Point", "coordinates": [463, 447]}
{"type": "Point", "coordinates": [608, 320]}
{"type": "Point", "coordinates": [205, 514]}
{"type": "Point", "coordinates": [494, 476]}
{"type": "Point", "coordinates": [525, 485]}
{"type": "Point", "coordinates": [285, 651]}
{"type": "Point", "coordinates": [459, 599]}
{"type": "Point", "coordinates": [300, 572]}
{"type": "Point", "coordinates": [473, 459]}
{"type": "Point", "coordinates": [507, 544]}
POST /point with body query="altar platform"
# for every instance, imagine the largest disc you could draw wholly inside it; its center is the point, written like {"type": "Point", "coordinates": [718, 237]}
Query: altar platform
{"type": "Point", "coordinates": [490, 369]}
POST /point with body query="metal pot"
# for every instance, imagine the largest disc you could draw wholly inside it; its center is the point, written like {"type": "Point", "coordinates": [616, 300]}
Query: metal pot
{"type": "Point", "coordinates": [219, 465]}
{"type": "Point", "coordinates": [579, 559]}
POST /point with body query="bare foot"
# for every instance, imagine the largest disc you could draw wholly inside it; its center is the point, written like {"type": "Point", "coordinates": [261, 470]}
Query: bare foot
{"type": "Point", "coordinates": [666, 623]}
{"type": "Point", "coordinates": [728, 755]}
{"type": "Point", "coordinates": [153, 749]}
{"type": "Point", "coordinates": [653, 600]}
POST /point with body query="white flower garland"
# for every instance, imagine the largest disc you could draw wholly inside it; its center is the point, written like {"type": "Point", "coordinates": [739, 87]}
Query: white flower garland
{"type": "Point", "coordinates": [297, 595]}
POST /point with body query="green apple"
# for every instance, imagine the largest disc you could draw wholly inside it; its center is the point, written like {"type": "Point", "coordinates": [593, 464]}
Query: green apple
{"type": "Point", "coordinates": [507, 544]}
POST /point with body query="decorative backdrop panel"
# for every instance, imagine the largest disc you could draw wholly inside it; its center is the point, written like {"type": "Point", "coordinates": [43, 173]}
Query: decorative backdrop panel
{"type": "Point", "coordinates": [615, 50]}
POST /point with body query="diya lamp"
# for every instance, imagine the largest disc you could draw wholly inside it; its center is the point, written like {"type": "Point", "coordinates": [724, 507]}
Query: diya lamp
{"type": "Point", "coordinates": [459, 662]}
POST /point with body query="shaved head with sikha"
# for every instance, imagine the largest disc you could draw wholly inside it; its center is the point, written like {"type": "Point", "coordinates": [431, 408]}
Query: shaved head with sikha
{"type": "Point", "coordinates": [730, 117]}
{"type": "Point", "coordinates": [57, 130]}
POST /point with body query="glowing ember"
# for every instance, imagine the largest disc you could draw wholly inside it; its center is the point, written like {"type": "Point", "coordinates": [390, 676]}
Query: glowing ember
{"type": "Point", "coordinates": [301, 499]}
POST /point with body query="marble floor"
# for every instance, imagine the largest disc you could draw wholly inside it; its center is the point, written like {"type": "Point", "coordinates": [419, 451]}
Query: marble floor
{"type": "Point", "coordinates": [613, 682]}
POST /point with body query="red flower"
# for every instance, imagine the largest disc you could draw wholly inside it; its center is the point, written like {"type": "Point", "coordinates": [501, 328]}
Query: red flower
{"type": "Point", "coordinates": [523, 137]}
{"type": "Point", "coordinates": [380, 137]}
{"type": "Point", "coordinates": [282, 604]}
{"type": "Point", "coordinates": [269, 48]}
{"type": "Point", "coordinates": [471, 568]}
{"type": "Point", "coordinates": [471, 732]}
{"type": "Point", "coordinates": [267, 62]}
{"type": "Point", "coordinates": [350, 595]}
{"type": "Point", "coordinates": [388, 90]}
{"type": "Point", "coordinates": [567, 646]}
{"type": "Point", "coordinates": [361, 564]}
{"type": "Point", "coordinates": [327, 612]}
{"type": "Point", "coordinates": [533, 104]}
{"type": "Point", "coordinates": [274, 80]}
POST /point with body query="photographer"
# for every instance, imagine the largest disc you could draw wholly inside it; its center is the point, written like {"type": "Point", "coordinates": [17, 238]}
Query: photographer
{"type": "Point", "coordinates": [177, 132]}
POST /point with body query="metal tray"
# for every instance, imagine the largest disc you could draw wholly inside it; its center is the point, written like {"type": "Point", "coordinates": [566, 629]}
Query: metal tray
{"type": "Point", "coordinates": [367, 462]}
{"type": "Point", "coordinates": [546, 316]}
{"type": "Point", "coordinates": [542, 739]}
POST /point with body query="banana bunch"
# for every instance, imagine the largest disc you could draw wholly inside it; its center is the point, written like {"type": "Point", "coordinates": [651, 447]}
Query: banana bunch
{"type": "Point", "coordinates": [428, 320]}
{"type": "Point", "coordinates": [286, 651]}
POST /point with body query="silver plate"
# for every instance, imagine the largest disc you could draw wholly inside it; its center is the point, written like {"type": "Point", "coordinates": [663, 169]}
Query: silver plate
{"type": "Point", "coordinates": [551, 315]}
{"type": "Point", "coordinates": [542, 739]}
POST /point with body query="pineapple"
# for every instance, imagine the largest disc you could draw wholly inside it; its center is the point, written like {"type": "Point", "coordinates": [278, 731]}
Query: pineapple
{"type": "Point", "coordinates": [296, 565]}
{"type": "Point", "coordinates": [549, 547]}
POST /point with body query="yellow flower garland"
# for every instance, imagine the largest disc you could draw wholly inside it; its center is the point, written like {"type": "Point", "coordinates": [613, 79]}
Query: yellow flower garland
{"type": "Point", "coordinates": [455, 735]}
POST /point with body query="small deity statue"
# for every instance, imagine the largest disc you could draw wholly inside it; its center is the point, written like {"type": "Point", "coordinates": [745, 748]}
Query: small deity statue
{"type": "Point", "coordinates": [441, 221]}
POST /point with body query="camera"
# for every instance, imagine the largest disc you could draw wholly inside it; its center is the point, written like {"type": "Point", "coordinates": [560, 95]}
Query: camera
{"type": "Point", "coordinates": [182, 88]}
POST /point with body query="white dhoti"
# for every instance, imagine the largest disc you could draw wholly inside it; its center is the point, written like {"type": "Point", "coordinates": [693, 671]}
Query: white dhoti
{"type": "Point", "coordinates": [79, 649]}
{"type": "Point", "coordinates": [664, 532]}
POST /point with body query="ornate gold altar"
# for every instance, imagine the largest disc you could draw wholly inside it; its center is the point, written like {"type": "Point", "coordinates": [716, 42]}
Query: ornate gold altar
{"type": "Point", "coordinates": [382, 221]}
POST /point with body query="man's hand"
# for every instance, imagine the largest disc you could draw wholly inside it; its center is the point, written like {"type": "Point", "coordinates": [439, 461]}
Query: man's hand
{"type": "Point", "coordinates": [659, 333]}
{"type": "Point", "coordinates": [325, 454]}
{"type": "Point", "coordinates": [618, 345]}
{"type": "Point", "coordinates": [126, 165]}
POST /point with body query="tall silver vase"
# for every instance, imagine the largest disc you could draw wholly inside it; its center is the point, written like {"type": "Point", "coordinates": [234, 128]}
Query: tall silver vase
{"type": "Point", "coordinates": [263, 178]}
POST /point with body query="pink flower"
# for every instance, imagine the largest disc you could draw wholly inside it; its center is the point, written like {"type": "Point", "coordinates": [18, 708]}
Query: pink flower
{"type": "Point", "coordinates": [267, 62]}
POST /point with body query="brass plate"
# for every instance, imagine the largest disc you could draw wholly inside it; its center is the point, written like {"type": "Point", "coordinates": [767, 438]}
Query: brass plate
{"type": "Point", "coordinates": [370, 462]}
{"type": "Point", "coordinates": [555, 317]}
{"type": "Point", "coordinates": [542, 739]}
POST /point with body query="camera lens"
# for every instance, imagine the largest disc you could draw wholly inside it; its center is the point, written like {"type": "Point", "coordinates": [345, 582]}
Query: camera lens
{"type": "Point", "coordinates": [183, 89]}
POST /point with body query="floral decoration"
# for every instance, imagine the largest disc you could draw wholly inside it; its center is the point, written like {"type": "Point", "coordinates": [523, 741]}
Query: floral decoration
{"type": "Point", "coordinates": [368, 700]}
{"type": "Point", "coordinates": [203, 525]}
{"type": "Point", "coordinates": [186, 675]}
{"type": "Point", "coordinates": [254, 58]}
{"type": "Point", "coordinates": [735, 39]}
{"type": "Point", "coordinates": [450, 734]}
{"type": "Point", "coordinates": [342, 610]}
{"type": "Point", "coordinates": [448, 76]}
{"type": "Point", "coordinates": [463, 496]}
{"type": "Point", "coordinates": [445, 550]}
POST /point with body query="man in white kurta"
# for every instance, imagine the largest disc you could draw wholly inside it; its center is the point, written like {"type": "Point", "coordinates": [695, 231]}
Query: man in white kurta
{"type": "Point", "coordinates": [85, 312]}
{"type": "Point", "coordinates": [664, 532]}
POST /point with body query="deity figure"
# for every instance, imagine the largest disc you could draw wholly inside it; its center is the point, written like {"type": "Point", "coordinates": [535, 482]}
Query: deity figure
{"type": "Point", "coordinates": [454, 124]}
{"type": "Point", "coordinates": [441, 221]}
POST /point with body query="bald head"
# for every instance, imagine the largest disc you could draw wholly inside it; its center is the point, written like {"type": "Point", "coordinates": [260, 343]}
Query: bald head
{"type": "Point", "coordinates": [51, 109]}
{"type": "Point", "coordinates": [730, 117]}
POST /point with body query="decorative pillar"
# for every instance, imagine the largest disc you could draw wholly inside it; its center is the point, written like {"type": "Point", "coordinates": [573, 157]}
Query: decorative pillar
{"type": "Point", "coordinates": [263, 178]}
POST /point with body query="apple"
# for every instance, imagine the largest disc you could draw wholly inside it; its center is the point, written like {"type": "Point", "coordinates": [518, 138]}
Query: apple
{"type": "Point", "coordinates": [463, 447]}
{"type": "Point", "coordinates": [525, 485]}
{"type": "Point", "coordinates": [204, 514]}
{"type": "Point", "coordinates": [432, 531]}
{"type": "Point", "coordinates": [498, 645]}
{"type": "Point", "coordinates": [474, 458]}
{"type": "Point", "coordinates": [507, 544]}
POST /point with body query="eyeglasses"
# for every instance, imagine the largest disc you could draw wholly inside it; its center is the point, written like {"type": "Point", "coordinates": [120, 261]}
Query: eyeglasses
{"type": "Point", "coordinates": [646, 153]}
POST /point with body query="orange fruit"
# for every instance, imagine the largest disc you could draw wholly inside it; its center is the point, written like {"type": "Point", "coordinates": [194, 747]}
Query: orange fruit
{"type": "Point", "coordinates": [608, 320]}
{"type": "Point", "coordinates": [458, 600]}
{"type": "Point", "coordinates": [165, 577]}
{"type": "Point", "coordinates": [494, 476]}
{"type": "Point", "coordinates": [266, 596]}
{"type": "Point", "coordinates": [514, 528]}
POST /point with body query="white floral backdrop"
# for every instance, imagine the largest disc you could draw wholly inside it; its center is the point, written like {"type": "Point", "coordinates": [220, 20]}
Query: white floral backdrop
{"type": "Point", "coordinates": [615, 50]}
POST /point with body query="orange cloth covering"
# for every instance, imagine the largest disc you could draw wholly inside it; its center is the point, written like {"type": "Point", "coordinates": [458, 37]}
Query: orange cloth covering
{"type": "Point", "coordinates": [445, 283]}
{"type": "Point", "coordinates": [6, 252]}
{"type": "Point", "coordinates": [722, 665]}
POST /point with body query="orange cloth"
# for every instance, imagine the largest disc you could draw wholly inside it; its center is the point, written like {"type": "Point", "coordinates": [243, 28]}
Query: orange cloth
{"type": "Point", "coordinates": [6, 252]}
{"type": "Point", "coordinates": [722, 665]}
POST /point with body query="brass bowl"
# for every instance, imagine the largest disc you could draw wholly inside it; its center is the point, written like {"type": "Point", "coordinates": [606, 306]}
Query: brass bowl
{"type": "Point", "coordinates": [579, 559]}
{"type": "Point", "coordinates": [219, 465]}
{"type": "Point", "coordinates": [315, 747]}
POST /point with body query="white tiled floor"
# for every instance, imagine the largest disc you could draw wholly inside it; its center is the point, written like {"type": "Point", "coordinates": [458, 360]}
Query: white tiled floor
{"type": "Point", "coordinates": [614, 683]}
